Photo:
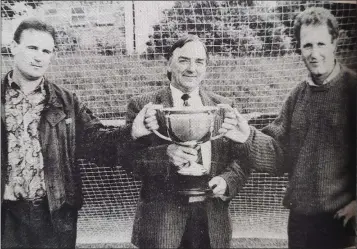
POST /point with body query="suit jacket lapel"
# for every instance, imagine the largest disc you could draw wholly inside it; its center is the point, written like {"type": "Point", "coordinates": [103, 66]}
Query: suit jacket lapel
{"type": "Point", "coordinates": [206, 99]}
{"type": "Point", "coordinates": [164, 97]}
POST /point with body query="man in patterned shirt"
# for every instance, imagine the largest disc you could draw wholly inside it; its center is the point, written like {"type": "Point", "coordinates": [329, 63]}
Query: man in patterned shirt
{"type": "Point", "coordinates": [42, 127]}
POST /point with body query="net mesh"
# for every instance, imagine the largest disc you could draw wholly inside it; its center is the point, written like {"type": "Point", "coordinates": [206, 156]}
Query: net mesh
{"type": "Point", "coordinates": [109, 51]}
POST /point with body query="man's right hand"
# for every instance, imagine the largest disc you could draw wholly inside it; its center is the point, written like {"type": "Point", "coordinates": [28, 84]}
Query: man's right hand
{"type": "Point", "coordinates": [180, 155]}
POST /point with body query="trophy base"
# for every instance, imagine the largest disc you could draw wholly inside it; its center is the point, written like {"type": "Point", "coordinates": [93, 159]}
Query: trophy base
{"type": "Point", "coordinates": [193, 185]}
{"type": "Point", "coordinates": [194, 192]}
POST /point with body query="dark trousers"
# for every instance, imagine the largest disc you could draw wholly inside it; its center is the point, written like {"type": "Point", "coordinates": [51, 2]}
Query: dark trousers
{"type": "Point", "coordinates": [319, 231]}
{"type": "Point", "coordinates": [196, 232]}
{"type": "Point", "coordinates": [28, 224]}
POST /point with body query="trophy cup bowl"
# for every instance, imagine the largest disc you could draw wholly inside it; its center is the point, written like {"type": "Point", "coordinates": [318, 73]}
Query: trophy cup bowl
{"type": "Point", "coordinates": [187, 126]}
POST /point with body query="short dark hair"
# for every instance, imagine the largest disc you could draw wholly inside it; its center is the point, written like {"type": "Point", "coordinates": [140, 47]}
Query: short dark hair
{"type": "Point", "coordinates": [35, 24]}
{"type": "Point", "coordinates": [180, 43]}
{"type": "Point", "coordinates": [316, 16]}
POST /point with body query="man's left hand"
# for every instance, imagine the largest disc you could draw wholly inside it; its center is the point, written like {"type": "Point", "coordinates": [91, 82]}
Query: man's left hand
{"type": "Point", "coordinates": [219, 186]}
{"type": "Point", "coordinates": [144, 122]}
{"type": "Point", "coordinates": [348, 212]}
{"type": "Point", "coordinates": [235, 126]}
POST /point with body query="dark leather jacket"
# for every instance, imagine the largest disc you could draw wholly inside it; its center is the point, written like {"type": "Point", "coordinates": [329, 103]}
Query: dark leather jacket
{"type": "Point", "coordinates": [68, 131]}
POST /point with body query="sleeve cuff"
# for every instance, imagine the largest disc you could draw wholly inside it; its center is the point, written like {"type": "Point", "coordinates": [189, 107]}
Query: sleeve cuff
{"type": "Point", "coordinates": [244, 148]}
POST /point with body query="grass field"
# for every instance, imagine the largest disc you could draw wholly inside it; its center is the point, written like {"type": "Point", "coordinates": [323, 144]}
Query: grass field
{"type": "Point", "coordinates": [248, 232]}
{"type": "Point", "coordinates": [237, 243]}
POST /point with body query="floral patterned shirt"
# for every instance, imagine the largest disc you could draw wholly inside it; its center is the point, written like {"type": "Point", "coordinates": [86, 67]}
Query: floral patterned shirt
{"type": "Point", "coordinates": [25, 162]}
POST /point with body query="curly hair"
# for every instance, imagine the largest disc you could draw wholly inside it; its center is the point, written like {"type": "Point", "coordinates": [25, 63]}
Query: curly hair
{"type": "Point", "coordinates": [35, 24]}
{"type": "Point", "coordinates": [316, 16]}
{"type": "Point", "coordinates": [180, 43]}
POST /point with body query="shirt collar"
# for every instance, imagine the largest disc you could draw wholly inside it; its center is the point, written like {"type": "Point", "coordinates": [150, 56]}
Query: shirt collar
{"type": "Point", "coordinates": [14, 85]}
{"type": "Point", "coordinates": [336, 70]}
{"type": "Point", "coordinates": [177, 93]}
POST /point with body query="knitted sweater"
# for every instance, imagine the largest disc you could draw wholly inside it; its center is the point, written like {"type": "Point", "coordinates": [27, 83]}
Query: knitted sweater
{"type": "Point", "coordinates": [314, 140]}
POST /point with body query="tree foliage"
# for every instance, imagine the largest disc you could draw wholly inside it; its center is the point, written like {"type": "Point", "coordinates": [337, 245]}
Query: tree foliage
{"type": "Point", "coordinates": [8, 9]}
{"type": "Point", "coordinates": [232, 28]}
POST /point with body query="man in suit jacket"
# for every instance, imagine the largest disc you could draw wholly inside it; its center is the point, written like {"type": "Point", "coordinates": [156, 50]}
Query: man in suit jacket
{"type": "Point", "coordinates": [164, 218]}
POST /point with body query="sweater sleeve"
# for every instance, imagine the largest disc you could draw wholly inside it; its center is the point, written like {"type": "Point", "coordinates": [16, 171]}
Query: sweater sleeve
{"type": "Point", "coordinates": [266, 150]}
{"type": "Point", "coordinates": [235, 174]}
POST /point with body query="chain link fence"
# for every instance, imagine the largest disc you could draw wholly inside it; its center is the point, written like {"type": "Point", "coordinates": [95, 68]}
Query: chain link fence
{"type": "Point", "coordinates": [109, 51]}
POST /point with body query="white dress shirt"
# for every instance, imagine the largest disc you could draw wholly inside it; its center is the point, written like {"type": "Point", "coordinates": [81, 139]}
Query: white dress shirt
{"type": "Point", "coordinates": [193, 101]}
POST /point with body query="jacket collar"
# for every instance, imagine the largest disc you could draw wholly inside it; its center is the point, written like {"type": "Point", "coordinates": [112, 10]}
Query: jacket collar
{"type": "Point", "coordinates": [51, 96]}
{"type": "Point", "coordinates": [4, 83]}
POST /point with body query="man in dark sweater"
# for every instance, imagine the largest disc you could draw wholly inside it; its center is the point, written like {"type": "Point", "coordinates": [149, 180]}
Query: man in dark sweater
{"type": "Point", "coordinates": [313, 140]}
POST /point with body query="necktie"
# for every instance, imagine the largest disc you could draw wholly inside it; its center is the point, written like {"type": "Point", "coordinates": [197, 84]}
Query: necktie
{"type": "Point", "coordinates": [185, 98]}
{"type": "Point", "coordinates": [199, 156]}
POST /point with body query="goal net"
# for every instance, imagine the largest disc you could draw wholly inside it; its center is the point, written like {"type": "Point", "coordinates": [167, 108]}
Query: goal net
{"type": "Point", "coordinates": [109, 51]}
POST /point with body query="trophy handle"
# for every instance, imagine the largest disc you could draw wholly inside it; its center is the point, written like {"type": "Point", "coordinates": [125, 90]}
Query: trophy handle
{"type": "Point", "coordinates": [217, 136]}
{"type": "Point", "coordinates": [160, 107]}
{"type": "Point", "coordinates": [222, 108]}
{"type": "Point", "coordinates": [162, 136]}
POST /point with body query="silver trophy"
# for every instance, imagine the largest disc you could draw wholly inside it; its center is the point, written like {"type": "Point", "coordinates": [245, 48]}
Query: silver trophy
{"type": "Point", "coordinates": [188, 126]}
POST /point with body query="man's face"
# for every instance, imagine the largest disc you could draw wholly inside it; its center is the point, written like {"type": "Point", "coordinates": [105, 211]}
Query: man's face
{"type": "Point", "coordinates": [188, 66]}
{"type": "Point", "coordinates": [317, 50]}
{"type": "Point", "coordinates": [32, 55]}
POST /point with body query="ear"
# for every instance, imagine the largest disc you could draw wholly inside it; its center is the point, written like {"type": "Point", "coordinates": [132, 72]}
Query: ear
{"type": "Point", "coordinates": [168, 65]}
{"type": "Point", "coordinates": [14, 48]}
{"type": "Point", "coordinates": [54, 53]}
{"type": "Point", "coordinates": [334, 43]}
